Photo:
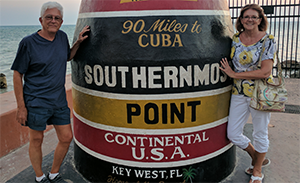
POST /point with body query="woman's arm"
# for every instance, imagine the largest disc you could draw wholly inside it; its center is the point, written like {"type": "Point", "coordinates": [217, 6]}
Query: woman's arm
{"type": "Point", "coordinates": [264, 72]}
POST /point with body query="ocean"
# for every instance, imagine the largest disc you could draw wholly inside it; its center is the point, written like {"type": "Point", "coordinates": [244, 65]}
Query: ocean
{"type": "Point", "coordinates": [10, 36]}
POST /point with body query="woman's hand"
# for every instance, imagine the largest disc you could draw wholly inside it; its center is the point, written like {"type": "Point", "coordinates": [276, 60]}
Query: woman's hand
{"type": "Point", "coordinates": [226, 68]}
{"type": "Point", "coordinates": [264, 72]}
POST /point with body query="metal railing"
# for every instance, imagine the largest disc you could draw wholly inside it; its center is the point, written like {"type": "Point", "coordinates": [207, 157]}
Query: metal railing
{"type": "Point", "coordinates": [283, 17]}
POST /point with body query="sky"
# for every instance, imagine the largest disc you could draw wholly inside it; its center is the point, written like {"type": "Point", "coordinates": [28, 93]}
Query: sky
{"type": "Point", "coordinates": [27, 12]}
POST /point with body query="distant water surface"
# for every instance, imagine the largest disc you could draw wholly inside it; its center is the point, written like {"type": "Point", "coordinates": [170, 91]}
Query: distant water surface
{"type": "Point", "coordinates": [10, 36]}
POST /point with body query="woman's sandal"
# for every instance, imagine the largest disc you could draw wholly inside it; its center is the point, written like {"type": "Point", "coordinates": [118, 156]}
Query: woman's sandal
{"type": "Point", "coordinates": [266, 162]}
{"type": "Point", "coordinates": [254, 178]}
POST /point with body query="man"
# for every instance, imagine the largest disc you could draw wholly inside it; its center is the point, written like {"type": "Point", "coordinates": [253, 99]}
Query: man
{"type": "Point", "coordinates": [41, 59]}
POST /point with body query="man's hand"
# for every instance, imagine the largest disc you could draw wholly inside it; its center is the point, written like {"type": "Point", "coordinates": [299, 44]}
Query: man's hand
{"type": "Point", "coordinates": [21, 115]}
{"type": "Point", "coordinates": [81, 36]}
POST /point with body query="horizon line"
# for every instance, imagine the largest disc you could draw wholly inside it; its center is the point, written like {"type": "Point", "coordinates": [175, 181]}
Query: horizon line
{"type": "Point", "coordinates": [29, 25]}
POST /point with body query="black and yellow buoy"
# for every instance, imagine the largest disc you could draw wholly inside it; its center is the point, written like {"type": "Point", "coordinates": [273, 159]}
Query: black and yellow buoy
{"type": "Point", "coordinates": [150, 103]}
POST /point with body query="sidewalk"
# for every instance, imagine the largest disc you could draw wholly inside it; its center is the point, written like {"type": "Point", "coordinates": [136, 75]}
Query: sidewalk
{"type": "Point", "coordinates": [284, 151]}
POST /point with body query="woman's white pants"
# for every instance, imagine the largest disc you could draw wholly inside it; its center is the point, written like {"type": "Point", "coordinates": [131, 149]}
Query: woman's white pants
{"type": "Point", "coordinates": [238, 116]}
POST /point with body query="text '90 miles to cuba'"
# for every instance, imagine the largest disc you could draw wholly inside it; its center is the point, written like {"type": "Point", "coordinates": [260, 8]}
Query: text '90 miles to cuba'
{"type": "Point", "coordinates": [163, 28]}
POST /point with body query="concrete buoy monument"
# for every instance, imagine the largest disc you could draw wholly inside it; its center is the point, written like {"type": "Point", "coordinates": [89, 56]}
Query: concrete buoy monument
{"type": "Point", "coordinates": [150, 103]}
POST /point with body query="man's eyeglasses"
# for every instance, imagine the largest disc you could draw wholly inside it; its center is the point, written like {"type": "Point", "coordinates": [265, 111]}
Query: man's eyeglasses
{"type": "Point", "coordinates": [253, 18]}
{"type": "Point", "coordinates": [50, 18]}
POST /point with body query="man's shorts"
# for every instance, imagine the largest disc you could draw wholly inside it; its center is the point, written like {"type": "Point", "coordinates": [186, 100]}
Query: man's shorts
{"type": "Point", "coordinates": [38, 118]}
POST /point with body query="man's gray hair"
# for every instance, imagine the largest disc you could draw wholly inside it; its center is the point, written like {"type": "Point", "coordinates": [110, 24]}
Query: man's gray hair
{"type": "Point", "coordinates": [50, 5]}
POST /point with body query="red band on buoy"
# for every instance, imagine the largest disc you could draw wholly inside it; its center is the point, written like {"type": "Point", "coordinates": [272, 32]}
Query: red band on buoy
{"type": "Point", "coordinates": [151, 148]}
{"type": "Point", "coordinates": [124, 5]}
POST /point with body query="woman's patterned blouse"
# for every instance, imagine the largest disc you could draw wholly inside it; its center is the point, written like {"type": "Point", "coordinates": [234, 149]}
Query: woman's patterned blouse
{"type": "Point", "coordinates": [246, 58]}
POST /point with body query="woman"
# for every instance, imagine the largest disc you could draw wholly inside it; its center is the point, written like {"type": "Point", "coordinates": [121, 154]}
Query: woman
{"type": "Point", "coordinates": [245, 52]}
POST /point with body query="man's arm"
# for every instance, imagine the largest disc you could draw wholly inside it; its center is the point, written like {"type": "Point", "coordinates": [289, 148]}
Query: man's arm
{"type": "Point", "coordinates": [18, 89]}
{"type": "Point", "coordinates": [78, 42]}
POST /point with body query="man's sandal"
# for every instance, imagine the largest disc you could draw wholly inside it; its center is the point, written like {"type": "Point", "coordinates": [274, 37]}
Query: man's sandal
{"type": "Point", "coordinates": [254, 178]}
{"type": "Point", "coordinates": [266, 162]}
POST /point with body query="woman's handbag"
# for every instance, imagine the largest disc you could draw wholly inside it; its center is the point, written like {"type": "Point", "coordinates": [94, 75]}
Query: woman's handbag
{"type": "Point", "coordinates": [267, 96]}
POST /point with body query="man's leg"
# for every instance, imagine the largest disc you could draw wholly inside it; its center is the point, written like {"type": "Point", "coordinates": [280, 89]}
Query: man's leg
{"type": "Point", "coordinates": [65, 136]}
{"type": "Point", "coordinates": [35, 151]}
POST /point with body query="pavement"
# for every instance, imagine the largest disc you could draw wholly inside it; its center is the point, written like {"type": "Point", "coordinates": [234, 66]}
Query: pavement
{"type": "Point", "coordinates": [284, 151]}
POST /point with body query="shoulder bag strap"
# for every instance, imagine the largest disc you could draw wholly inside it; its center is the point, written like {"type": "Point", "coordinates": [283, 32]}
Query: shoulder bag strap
{"type": "Point", "coordinates": [262, 51]}
{"type": "Point", "coordinates": [278, 64]}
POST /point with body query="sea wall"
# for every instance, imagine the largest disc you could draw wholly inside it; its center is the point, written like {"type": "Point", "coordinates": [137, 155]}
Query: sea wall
{"type": "Point", "coordinates": [12, 134]}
